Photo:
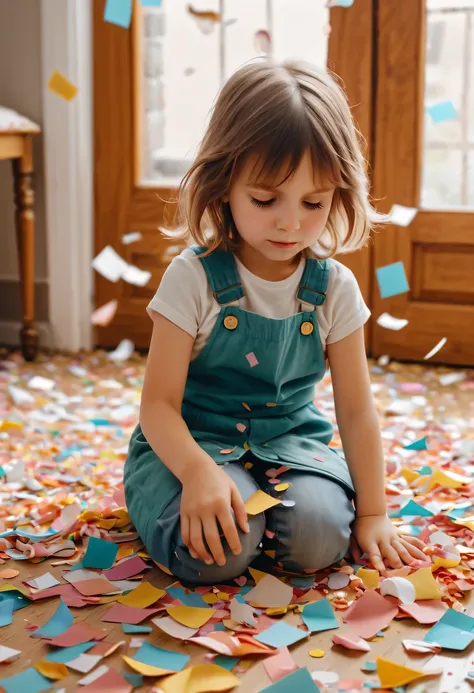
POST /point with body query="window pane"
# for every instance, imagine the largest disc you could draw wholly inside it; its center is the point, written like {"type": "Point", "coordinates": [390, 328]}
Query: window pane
{"type": "Point", "coordinates": [184, 62]}
{"type": "Point", "coordinates": [449, 77]}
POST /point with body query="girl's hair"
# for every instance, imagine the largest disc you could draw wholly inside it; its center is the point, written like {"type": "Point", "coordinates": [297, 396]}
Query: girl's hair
{"type": "Point", "coordinates": [274, 113]}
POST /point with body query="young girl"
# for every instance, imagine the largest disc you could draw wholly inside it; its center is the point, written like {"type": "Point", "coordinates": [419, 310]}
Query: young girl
{"type": "Point", "coordinates": [242, 325]}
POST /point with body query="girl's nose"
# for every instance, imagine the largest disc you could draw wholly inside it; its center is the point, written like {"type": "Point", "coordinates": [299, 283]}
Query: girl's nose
{"type": "Point", "coordinates": [289, 221]}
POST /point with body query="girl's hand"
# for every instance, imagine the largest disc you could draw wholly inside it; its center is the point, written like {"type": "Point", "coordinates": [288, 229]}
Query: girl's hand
{"type": "Point", "coordinates": [208, 496]}
{"type": "Point", "coordinates": [377, 536]}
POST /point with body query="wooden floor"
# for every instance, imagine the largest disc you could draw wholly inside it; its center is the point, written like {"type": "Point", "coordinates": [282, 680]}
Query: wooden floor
{"type": "Point", "coordinates": [347, 664]}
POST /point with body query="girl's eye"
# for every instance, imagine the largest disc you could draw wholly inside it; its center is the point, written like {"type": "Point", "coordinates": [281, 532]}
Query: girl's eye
{"type": "Point", "coordinates": [314, 205]}
{"type": "Point", "coordinates": [262, 203]}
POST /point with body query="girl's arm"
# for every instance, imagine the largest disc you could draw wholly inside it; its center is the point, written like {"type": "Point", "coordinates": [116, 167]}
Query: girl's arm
{"type": "Point", "coordinates": [360, 434]}
{"type": "Point", "coordinates": [209, 493]}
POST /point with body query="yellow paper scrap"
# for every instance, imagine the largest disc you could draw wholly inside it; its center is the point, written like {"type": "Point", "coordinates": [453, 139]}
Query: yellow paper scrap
{"type": "Point", "coordinates": [447, 479]}
{"type": "Point", "coordinates": [162, 567]}
{"type": "Point", "coordinates": [62, 86]}
{"type": "Point", "coordinates": [190, 616]}
{"type": "Point", "coordinates": [142, 596]}
{"type": "Point", "coordinates": [282, 487]}
{"type": "Point", "coordinates": [369, 577]}
{"type": "Point", "coordinates": [52, 670]}
{"type": "Point", "coordinates": [409, 475]}
{"type": "Point", "coordinates": [445, 563]}
{"type": "Point", "coordinates": [259, 502]}
{"type": "Point", "coordinates": [257, 574]}
{"type": "Point", "coordinates": [210, 598]}
{"type": "Point", "coordinates": [425, 585]}
{"type": "Point", "coordinates": [202, 678]}
{"type": "Point", "coordinates": [223, 596]}
{"type": "Point", "coordinates": [393, 675]}
{"type": "Point", "coordinates": [9, 587]}
{"type": "Point", "coordinates": [145, 669]}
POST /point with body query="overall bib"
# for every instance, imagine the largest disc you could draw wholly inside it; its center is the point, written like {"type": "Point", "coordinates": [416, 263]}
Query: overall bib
{"type": "Point", "coordinates": [250, 391]}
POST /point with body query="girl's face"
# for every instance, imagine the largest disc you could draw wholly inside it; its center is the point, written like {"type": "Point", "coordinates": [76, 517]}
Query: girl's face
{"type": "Point", "coordinates": [276, 224]}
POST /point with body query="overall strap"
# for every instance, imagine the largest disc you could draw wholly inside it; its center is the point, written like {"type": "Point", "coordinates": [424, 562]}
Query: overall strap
{"type": "Point", "coordinates": [222, 274]}
{"type": "Point", "coordinates": [314, 282]}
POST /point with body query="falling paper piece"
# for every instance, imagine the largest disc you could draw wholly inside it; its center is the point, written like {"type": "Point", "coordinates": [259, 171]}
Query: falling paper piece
{"type": "Point", "coordinates": [435, 349]}
{"type": "Point", "coordinates": [398, 587]}
{"type": "Point", "coordinates": [176, 630]}
{"type": "Point", "coordinates": [259, 502]}
{"type": "Point", "coordinates": [299, 681]}
{"type": "Point", "coordinates": [133, 237]}
{"type": "Point", "coordinates": [118, 12]}
{"type": "Point", "coordinates": [270, 592]}
{"type": "Point", "coordinates": [40, 383]}
{"type": "Point", "coordinates": [62, 86]}
{"type": "Point", "coordinates": [206, 20]}
{"type": "Point", "coordinates": [281, 635]}
{"type": "Point", "coordinates": [442, 112]}
{"type": "Point", "coordinates": [123, 352]}
{"type": "Point", "coordinates": [190, 616]}
{"type": "Point", "coordinates": [103, 316]}
{"type": "Point", "coordinates": [142, 596]}
{"type": "Point", "coordinates": [340, 3]}
{"type": "Point", "coordinates": [280, 664]}
{"type": "Point", "coordinates": [109, 264]}
{"type": "Point", "coordinates": [390, 323]}
{"type": "Point", "coordinates": [393, 675]}
{"type": "Point", "coordinates": [262, 42]}
{"type": "Point", "coordinates": [252, 359]}
{"type": "Point", "coordinates": [60, 621]}
{"type": "Point", "coordinates": [351, 640]}
{"type": "Point", "coordinates": [425, 612]}
{"type": "Point", "coordinates": [425, 585]}
{"type": "Point", "coordinates": [319, 616]}
{"type": "Point", "coordinates": [402, 216]}
{"type": "Point", "coordinates": [137, 277]}
{"type": "Point", "coordinates": [392, 280]}
{"type": "Point", "coordinates": [99, 553]}
{"type": "Point", "coordinates": [370, 614]}
{"type": "Point", "coordinates": [200, 678]}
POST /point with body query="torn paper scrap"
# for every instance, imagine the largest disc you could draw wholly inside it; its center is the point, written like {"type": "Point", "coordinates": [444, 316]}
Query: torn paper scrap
{"type": "Point", "coordinates": [280, 664]}
{"type": "Point", "coordinates": [61, 86]}
{"type": "Point", "coordinates": [402, 216]}
{"type": "Point", "coordinates": [123, 352]}
{"type": "Point", "coordinates": [435, 349]}
{"type": "Point", "coordinates": [104, 315]}
{"type": "Point", "coordinates": [398, 587]}
{"type": "Point", "coordinates": [392, 280]}
{"type": "Point", "coordinates": [132, 237]}
{"type": "Point", "coordinates": [270, 592]}
{"type": "Point", "coordinates": [369, 614]}
{"type": "Point", "coordinates": [109, 264]}
{"type": "Point", "coordinates": [200, 678]}
{"type": "Point", "coordinates": [390, 323]}
{"type": "Point", "coordinates": [259, 502]}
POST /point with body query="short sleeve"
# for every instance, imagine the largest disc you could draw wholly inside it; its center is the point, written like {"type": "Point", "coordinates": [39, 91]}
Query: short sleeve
{"type": "Point", "coordinates": [346, 310]}
{"type": "Point", "coordinates": [179, 295]}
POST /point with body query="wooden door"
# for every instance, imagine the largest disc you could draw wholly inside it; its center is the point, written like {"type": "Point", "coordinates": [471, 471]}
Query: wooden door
{"type": "Point", "coordinates": [425, 56]}
{"type": "Point", "coordinates": [136, 165]}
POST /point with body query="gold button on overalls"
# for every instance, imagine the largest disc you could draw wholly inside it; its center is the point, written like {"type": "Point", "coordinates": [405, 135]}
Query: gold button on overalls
{"type": "Point", "coordinates": [230, 322]}
{"type": "Point", "coordinates": [306, 328]}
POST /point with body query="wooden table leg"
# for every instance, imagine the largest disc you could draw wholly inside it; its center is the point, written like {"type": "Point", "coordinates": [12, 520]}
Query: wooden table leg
{"type": "Point", "coordinates": [25, 231]}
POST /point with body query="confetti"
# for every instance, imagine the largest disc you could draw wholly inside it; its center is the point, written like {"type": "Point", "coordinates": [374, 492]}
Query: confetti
{"type": "Point", "coordinates": [392, 280]}
{"type": "Point", "coordinates": [435, 349]}
{"type": "Point", "coordinates": [340, 3]}
{"type": "Point", "coordinates": [441, 112]}
{"type": "Point", "coordinates": [402, 216]}
{"type": "Point", "coordinates": [133, 237]}
{"type": "Point", "coordinates": [280, 664]}
{"type": "Point", "coordinates": [316, 653]}
{"type": "Point", "coordinates": [262, 42]}
{"type": "Point", "coordinates": [390, 323]}
{"type": "Point", "coordinates": [103, 316]}
{"type": "Point", "coordinates": [252, 359]}
{"type": "Point", "coordinates": [118, 12]}
{"type": "Point", "coordinates": [260, 502]}
{"type": "Point", "coordinates": [9, 573]}
{"type": "Point", "coordinates": [61, 86]}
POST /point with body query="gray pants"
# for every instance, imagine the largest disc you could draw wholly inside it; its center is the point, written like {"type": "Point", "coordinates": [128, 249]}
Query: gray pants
{"type": "Point", "coordinates": [311, 535]}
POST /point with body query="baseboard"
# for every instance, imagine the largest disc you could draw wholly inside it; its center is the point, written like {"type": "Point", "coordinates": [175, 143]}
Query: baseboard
{"type": "Point", "coordinates": [10, 334]}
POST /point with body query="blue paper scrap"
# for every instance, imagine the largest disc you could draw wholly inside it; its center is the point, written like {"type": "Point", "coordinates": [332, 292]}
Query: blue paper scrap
{"type": "Point", "coordinates": [299, 681]}
{"type": "Point", "coordinates": [281, 635]}
{"type": "Point", "coordinates": [392, 280]}
{"type": "Point", "coordinates": [319, 616]}
{"type": "Point", "coordinates": [157, 657]}
{"type": "Point", "coordinates": [454, 631]}
{"type": "Point", "coordinates": [151, 3]}
{"type": "Point", "coordinates": [130, 628]}
{"type": "Point", "coordinates": [226, 662]}
{"type": "Point", "coordinates": [420, 444]}
{"type": "Point", "coordinates": [412, 509]}
{"type": "Point", "coordinates": [136, 680]}
{"type": "Point", "coordinates": [99, 554]}
{"type": "Point", "coordinates": [63, 655]}
{"type": "Point", "coordinates": [441, 112]}
{"type": "Point", "coordinates": [190, 599]}
{"type": "Point", "coordinates": [118, 12]}
{"type": "Point", "coordinates": [60, 621]}
{"type": "Point", "coordinates": [6, 612]}
{"type": "Point", "coordinates": [29, 680]}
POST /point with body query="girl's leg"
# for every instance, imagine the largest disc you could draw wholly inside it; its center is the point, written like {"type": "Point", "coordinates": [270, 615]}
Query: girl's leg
{"type": "Point", "coordinates": [167, 546]}
{"type": "Point", "coordinates": [315, 532]}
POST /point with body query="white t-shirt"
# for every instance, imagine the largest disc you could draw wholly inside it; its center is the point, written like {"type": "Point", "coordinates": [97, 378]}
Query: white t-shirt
{"type": "Point", "coordinates": [185, 298]}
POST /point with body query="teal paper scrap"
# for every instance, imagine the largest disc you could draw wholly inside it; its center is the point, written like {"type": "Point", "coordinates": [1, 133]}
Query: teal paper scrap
{"type": "Point", "coordinates": [226, 662]}
{"type": "Point", "coordinates": [299, 681]}
{"type": "Point", "coordinates": [118, 12]}
{"type": "Point", "coordinates": [418, 444]}
{"type": "Point", "coordinates": [63, 655]}
{"type": "Point", "coordinates": [151, 3]}
{"type": "Point", "coordinates": [136, 680]}
{"type": "Point", "coordinates": [188, 599]}
{"type": "Point", "coordinates": [29, 680]}
{"type": "Point", "coordinates": [6, 612]}
{"type": "Point", "coordinates": [454, 631]}
{"type": "Point", "coordinates": [60, 621]}
{"type": "Point", "coordinates": [156, 657]}
{"type": "Point", "coordinates": [100, 554]}
{"type": "Point", "coordinates": [441, 112]}
{"type": "Point", "coordinates": [319, 616]}
{"type": "Point", "coordinates": [412, 509]}
{"type": "Point", "coordinates": [392, 280]}
{"type": "Point", "coordinates": [281, 635]}
{"type": "Point", "coordinates": [131, 628]}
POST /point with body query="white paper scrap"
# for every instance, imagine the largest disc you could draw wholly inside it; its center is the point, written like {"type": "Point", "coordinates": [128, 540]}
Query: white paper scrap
{"type": "Point", "coordinates": [109, 264]}
{"type": "Point", "coordinates": [435, 349]}
{"type": "Point", "coordinates": [390, 323]}
{"type": "Point", "coordinates": [84, 663]}
{"type": "Point", "coordinates": [137, 277]}
{"type": "Point", "coordinates": [39, 383]}
{"type": "Point", "coordinates": [7, 654]}
{"type": "Point", "coordinates": [123, 352]}
{"type": "Point", "coordinates": [131, 237]}
{"type": "Point", "coordinates": [20, 396]}
{"type": "Point", "coordinates": [451, 378]}
{"type": "Point", "coordinates": [100, 671]}
{"type": "Point", "coordinates": [43, 582]}
{"type": "Point", "coordinates": [402, 216]}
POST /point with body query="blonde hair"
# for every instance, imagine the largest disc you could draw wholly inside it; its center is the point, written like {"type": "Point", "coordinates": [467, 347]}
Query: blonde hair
{"type": "Point", "coordinates": [275, 113]}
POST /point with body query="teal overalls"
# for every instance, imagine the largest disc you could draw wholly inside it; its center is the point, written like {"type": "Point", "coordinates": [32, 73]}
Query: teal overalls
{"type": "Point", "coordinates": [250, 391]}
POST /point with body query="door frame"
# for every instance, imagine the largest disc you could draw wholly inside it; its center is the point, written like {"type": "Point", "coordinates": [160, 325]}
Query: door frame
{"type": "Point", "coordinates": [66, 45]}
